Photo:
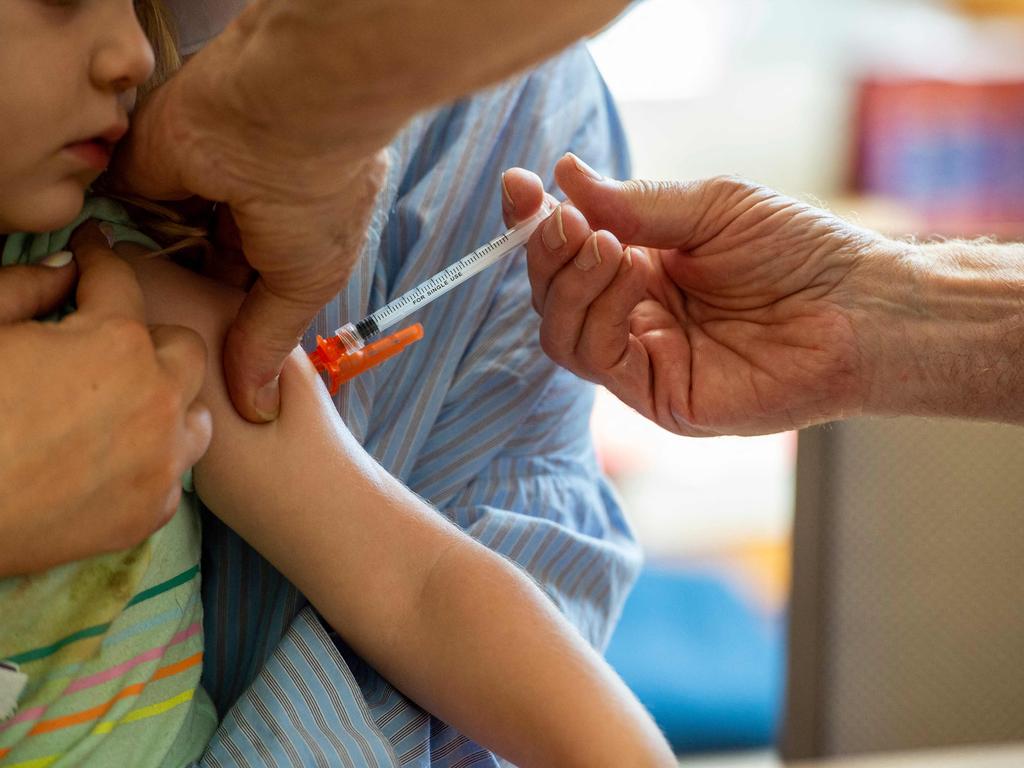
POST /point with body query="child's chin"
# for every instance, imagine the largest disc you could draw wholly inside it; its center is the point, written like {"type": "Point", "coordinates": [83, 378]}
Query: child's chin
{"type": "Point", "coordinates": [52, 210]}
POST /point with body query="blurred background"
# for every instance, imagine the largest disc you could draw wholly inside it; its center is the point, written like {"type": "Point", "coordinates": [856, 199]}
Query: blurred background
{"type": "Point", "coordinates": [906, 115]}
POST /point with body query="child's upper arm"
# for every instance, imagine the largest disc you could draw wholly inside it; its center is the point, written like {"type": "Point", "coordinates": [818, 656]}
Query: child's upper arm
{"type": "Point", "coordinates": [301, 490]}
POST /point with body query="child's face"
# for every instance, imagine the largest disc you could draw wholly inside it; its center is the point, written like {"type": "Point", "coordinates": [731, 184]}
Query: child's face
{"type": "Point", "coordinates": [68, 70]}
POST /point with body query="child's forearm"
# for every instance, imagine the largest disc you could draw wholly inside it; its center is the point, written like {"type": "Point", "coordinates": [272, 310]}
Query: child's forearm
{"type": "Point", "coordinates": [494, 637]}
{"type": "Point", "coordinates": [457, 628]}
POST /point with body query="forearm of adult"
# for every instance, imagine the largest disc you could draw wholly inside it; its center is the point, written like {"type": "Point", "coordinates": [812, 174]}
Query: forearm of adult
{"type": "Point", "coordinates": [313, 77]}
{"type": "Point", "coordinates": [942, 329]}
{"type": "Point", "coordinates": [375, 63]}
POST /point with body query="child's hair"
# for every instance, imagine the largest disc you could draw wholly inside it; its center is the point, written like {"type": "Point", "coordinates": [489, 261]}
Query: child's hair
{"type": "Point", "coordinates": [166, 225]}
{"type": "Point", "coordinates": [156, 23]}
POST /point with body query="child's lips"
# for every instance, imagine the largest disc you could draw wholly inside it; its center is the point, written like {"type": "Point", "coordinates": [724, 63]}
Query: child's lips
{"type": "Point", "coordinates": [95, 153]}
{"type": "Point", "coordinates": [97, 150]}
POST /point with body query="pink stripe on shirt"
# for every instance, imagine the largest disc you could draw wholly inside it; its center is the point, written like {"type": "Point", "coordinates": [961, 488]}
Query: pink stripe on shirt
{"type": "Point", "coordinates": [108, 674]}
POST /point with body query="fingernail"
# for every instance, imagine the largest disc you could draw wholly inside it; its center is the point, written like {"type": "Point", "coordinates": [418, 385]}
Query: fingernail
{"type": "Point", "coordinates": [108, 232]}
{"type": "Point", "coordinates": [505, 194]}
{"type": "Point", "coordinates": [553, 233]}
{"type": "Point", "coordinates": [57, 260]}
{"type": "Point", "coordinates": [627, 257]}
{"type": "Point", "coordinates": [584, 168]}
{"type": "Point", "coordinates": [589, 257]}
{"type": "Point", "coordinates": [268, 400]}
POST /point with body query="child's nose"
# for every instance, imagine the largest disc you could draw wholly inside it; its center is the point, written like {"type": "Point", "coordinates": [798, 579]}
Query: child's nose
{"type": "Point", "coordinates": [124, 58]}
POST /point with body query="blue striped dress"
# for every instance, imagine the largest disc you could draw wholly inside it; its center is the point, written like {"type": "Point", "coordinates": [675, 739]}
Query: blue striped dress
{"type": "Point", "coordinates": [474, 418]}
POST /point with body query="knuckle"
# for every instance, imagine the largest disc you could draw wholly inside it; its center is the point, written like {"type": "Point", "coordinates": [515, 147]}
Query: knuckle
{"type": "Point", "coordinates": [551, 347]}
{"type": "Point", "coordinates": [647, 192]}
{"type": "Point", "coordinates": [729, 182]}
{"type": "Point", "coordinates": [645, 199]}
{"type": "Point", "coordinates": [588, 357]}
{"type": "Point", "coordinates": [133, 527]}
{"type": "Point", "coordinates": [731, 188]}
{"type": "Point", "coordinates": [158, 472]}
{"type": "Point", "coordinates": [125, 336]}
{"type": "Point", "coordinates": [570, 289]}
{"type": "Point", "coordinates": [592, 364]}
{"type": "Point", "coordinates": [165, 405]}
{"type": "Point", "coordinates": [645, 187]}
{"type": "Point", "coordinates": [169, 475]}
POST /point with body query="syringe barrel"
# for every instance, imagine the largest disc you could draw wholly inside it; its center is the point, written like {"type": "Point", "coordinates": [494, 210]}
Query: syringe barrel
{"type": "Point", "coordinates": [355, 335]}
{"type": "Point", "coordinates": [499, 247]}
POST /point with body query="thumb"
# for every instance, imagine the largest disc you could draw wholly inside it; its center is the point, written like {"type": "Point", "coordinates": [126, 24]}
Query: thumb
{"type": "Point", "coordinates": [649, 213]}
{"type": "Point", "coordinates": [29, 291]}
{"type": "Point", "coordinates": [304, 251]}
{"type": "Point", "coordinates": [268, 327]}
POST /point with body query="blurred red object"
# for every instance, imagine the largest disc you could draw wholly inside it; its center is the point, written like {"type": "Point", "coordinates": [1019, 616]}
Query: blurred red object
{"type": "Point", "coordinates": [952, 152]}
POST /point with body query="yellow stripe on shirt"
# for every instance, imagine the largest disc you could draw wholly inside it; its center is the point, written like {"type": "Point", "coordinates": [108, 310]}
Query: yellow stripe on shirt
{"type": "Point", "coordinates": [145, 712]}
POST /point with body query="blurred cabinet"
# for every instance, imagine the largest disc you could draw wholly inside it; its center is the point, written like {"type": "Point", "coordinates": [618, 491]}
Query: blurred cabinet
{"type": "Point", "coordinates": [950, 152]}
{"type": "Point", "coordinates": [907, 612]}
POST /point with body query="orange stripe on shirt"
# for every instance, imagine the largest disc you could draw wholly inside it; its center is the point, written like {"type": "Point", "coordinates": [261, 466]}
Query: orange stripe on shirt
{"type": "Point", "coordinates": [47, 726]}
{"type": "Point", "coordinates": [178, 666]}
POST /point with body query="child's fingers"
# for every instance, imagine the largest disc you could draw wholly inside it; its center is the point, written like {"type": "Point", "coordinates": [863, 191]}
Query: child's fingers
{"type": "Point", "coordinates": [556, 242]}
{"type": "Point", "coordinates": [571, 293]}
{"type": "Point", "coordinates": [604, 338]}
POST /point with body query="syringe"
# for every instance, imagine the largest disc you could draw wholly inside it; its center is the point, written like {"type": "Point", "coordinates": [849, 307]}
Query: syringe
{"type": "Point", "coordinates": [354, 336]}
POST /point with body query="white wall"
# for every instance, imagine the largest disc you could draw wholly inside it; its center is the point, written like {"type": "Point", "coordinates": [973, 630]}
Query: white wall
{"type": "Point", "coordinates": [763, 88]}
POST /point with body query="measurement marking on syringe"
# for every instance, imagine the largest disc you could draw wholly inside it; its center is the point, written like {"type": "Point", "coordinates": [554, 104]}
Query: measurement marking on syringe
{"type": "Point", "coordinates": [441, 281]}
{"type": "Point", "coordinates": [355, 334]}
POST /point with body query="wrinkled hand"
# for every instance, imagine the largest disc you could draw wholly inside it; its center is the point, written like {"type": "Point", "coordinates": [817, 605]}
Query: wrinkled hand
{"type": "Point", "coordinates": [731, 311]}
{"type": "Point", "coordinates": [302, 214]}
{"type": "Point", "coordinates": [100, 413]}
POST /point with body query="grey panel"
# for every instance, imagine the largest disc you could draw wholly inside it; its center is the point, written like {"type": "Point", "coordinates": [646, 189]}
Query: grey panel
{"type": "Point", "coordinates": [199, 20]}
{"type": "Point", "coordinates": [911, 631]}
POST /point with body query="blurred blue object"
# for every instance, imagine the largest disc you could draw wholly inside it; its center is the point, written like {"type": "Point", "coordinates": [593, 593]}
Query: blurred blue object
{"type": "Point", "coordinates": [706, 662]}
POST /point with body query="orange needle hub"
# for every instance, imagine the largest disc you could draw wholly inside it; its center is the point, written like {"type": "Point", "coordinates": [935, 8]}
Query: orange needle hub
{"type": "Point", "coordinates": [331, 358]}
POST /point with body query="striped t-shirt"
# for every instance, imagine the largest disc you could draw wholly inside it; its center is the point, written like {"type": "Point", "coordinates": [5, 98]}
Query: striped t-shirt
{"type": "Point", "coordinates": [112, 646]}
